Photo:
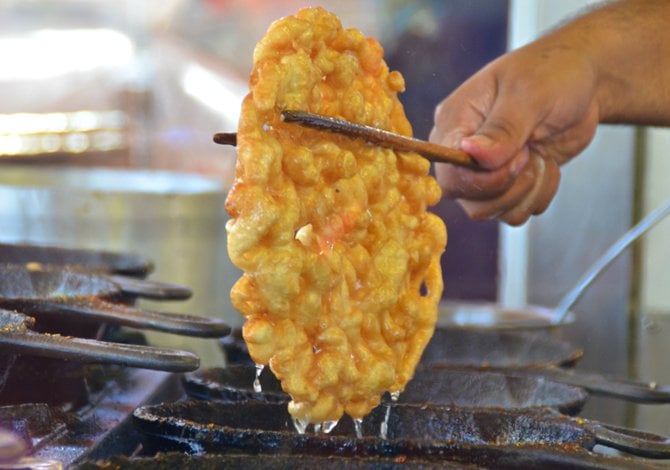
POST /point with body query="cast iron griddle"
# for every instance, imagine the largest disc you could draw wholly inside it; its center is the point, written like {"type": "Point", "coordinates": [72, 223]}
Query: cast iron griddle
{"type": "Point", "coordinates": [443, 386]}
{"type": "Point", "coordinates": [416, 431]}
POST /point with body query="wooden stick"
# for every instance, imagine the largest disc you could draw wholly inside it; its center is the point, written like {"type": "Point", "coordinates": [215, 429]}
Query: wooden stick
{"type": "Point", "coordinates": [380, 137]}
{"type": "Point", "coordinates": [226, 138]}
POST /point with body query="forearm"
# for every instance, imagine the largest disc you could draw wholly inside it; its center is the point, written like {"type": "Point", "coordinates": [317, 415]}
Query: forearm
{"type": "Point", "coordinates": [628, 44]}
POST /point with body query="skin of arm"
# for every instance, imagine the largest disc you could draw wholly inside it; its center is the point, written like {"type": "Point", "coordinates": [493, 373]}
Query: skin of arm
{"type": "Point", "coordinates": [533, 109]}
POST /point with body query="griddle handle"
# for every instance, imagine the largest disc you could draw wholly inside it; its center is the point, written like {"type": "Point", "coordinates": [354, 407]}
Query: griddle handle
{"type": "Point", "coordinates": [120, 314]}
{"type": "Point", "coordinates": [635, 442]}
{"type": "Point", "coordinates": [639, 392]}
{"type": "Point", "coordinates": [151, 289]}
{"type": "Point", "coordinates": [93, 351]}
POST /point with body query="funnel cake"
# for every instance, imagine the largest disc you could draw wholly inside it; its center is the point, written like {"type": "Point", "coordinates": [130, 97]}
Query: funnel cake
{"type": "Point", "coordinates": [341, 260]}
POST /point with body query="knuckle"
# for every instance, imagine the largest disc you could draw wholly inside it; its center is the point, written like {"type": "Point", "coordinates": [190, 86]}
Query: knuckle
{"type": "Point", "coordinates": [501, 125]}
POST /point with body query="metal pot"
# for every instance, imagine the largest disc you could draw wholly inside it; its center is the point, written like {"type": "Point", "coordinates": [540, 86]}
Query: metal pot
{"type": "Point", "coordinates": [175, 219]}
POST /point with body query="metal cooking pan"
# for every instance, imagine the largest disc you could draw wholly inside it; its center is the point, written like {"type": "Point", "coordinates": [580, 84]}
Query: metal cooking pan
{"type": "Point", "coordinates": [62, 294]}
{"type": "Point", "coordinates": [463, 388]}
{"type": "Point", "coordinates": [527, 354]}
{"type": "Point", "coordinates": [95, 260]}
{"type": "Point", "coordinates": [413, 431]}
{"type": "Point", "coordinates": [16, 337]}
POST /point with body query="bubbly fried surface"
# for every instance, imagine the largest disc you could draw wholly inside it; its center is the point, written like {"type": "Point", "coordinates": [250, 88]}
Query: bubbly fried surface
{"type": "Point", "coordinates": [341, 260]}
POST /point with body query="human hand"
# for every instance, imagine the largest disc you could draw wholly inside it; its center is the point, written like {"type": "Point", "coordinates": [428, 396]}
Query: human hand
{"type": "Point", "coordinates": [520, 117]}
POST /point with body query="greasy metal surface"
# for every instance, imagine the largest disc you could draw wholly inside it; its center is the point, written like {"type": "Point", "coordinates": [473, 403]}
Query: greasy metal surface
{"type": "Point", "coordinates": [99, 260]}
{"type": "Point", "coordinates": [99, 429]}
{"type": "Point", "coordinates": [78, 297]}
{"type": "Point", "coordinates": [443, 386]}
{"type": "Point", "coordinates": [170, 461]}
{"type": "Point", "coordinates": [467, 458]}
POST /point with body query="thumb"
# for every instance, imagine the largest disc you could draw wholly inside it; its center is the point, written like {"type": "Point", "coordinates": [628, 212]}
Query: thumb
{"type": "Point", "coordinates": [504, 132]}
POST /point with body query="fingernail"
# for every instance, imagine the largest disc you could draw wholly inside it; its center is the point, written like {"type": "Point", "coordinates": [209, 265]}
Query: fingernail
{"type": "Point", "coordinates": [479, 140]}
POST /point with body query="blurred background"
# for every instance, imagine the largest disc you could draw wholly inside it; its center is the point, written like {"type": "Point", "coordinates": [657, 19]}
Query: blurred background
{"type": "Point", "coordinates": [107, 109]}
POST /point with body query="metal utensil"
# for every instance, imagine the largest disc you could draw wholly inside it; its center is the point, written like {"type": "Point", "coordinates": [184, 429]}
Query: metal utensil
{"type": "Point", "coordinates": [610, 255]}
{"type": "Point", "coordinates": [374, 135]}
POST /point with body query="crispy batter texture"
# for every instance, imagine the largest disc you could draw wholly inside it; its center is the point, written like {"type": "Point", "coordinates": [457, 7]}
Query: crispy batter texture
{"type": "Point", "coordinates": [341, 259]}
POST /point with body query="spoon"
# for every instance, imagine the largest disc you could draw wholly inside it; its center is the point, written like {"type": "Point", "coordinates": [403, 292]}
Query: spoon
{"type": "Point", "coordinates": [610, 255]}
